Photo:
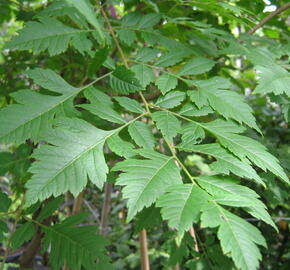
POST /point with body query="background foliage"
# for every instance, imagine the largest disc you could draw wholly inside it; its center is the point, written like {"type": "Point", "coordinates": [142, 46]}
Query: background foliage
{"type": "Point", "coordinates": [121, 116]}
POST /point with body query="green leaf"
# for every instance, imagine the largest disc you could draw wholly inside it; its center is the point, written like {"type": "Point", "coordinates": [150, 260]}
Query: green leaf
{"type": "Point", "coordinates": [34, 112]}
{"type": "Point", "coordinates": [227, 191]}
{"type": "Point", "coordinates": [88, 12]}
{"type": "Point", "coordinates": [146, 179]}
{"type": "Point", "coordinates": [225, 162]}
{"type": "Point", "coordinates": [149, 20]}
{"type": "Point", "coordinates": [191, 134]}
{"type": "Point", "coordinates": [171, 58]}
{"type": "Point", "coordinates": [130, 104]}
{"type": "Point", "coordinates": [273, 79]}
{"type": "Point", "coordinates": [127, 36]}
{"type": "Point", "coordinates": [228, 103]}
{"type": "Point", "coordinates": [143, 74]}
{"type": "Point", "coordinates": [238, 237]}
{"type": "Point", "coordinates": [245, 147]}
{"type": "Point", "coordinates": [101, 105]}
{"type": "Point", "coordinates": [148, 218]}
{"type": "Point", "coordinates": [61, 9]}
{"type": "Point", "coordinates": [47, 34]}
{"type": "Point", "coordinates": [192, 110]}
{"type": "Point", "coordinates": [197, 65]}
{"type": "Point", "coordinates": [82, 44]}
{"type": "Point", "coordinates": [171, 100]}
{"type": "Point", "coordinates": [166, 82]}
{"type": "Point", "coordinates": [123, 81]}
{"type": "Point", "coordinates": [181, 205]}
{"type": "Point", "coordinates": [167, 123]}
{"type": "Point", "coordinates": [50, 80]}
{"type": "Point", "coordinates": [147, 54]}
{"type": "Point", "coordinates": [3, 229]}
{"type": "Point", "coordinates": [77, 246]}
{"type": "Point", "coordinates": [5, 202]}
{"type": "Point", "coordinates": [121, 147]}
{"type": "Point", "coordinates": [49, 208]}
{"type": "Point", "coordinates": [141, 134]}
{"type": "Point", "coordinates": [22, 234]}
{"type": "Point", "coordinates": [131, 19]}
{"type": "Point", "coordinates": [7, 162]}
{"type": "Point", "coordinates": [74, 153]}
{"type": "Point", "coordinates": [199, 98]}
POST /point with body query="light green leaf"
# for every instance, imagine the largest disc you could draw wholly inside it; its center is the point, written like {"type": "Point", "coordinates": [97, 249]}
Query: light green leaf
{"type": "Point", "coordinates": [61, 9]}
{"type": "Point", "coordinates": [130, 104]}
{"type": "Point", "coordinates": [167, 123]}
{"type": "Point", "coordinates": [166, 82]}
{"type": "Point", "coordinates": [86, 9]}
{"type": "Point", "coordinates": [199, 98]}
{"type": "Point", "coordinates": [197, 65]}
{"type": "Point", "coordinates": [227, 191]}
{"type": "Point", "coordinates": [120, 147]}
{"type": "Point", "coordinates": [181, 205]}
{"type": "Point", "coordinates": [141, 134]}
{"type": "Point", "coordinates": [245, 147]}
{"type": "Point", "coordinates": [123, 81]}
{"type": "Point", "coordinates": [192, 110]}
{"type": "Point", "coordinates": [143, 74]}
{"type": "Point", "coordinates": [170, 100]}
{"type": "Point", "coordinates": [228, 103]}
{"type": "Point", "coordinates": [49, 80]}
{"type": "Point", "coordinates": [74, 154]}
{"type": "Point", "coordinates": [238, 238]}
{"type": "Point", "coordinates": [145, 180]}
{"type": "Point", "coordinates": [171, 58]}
{"type": "Point", "coordinates": [47, 34]}
{"type": "Point", "coordinates": [101, 107]}
{"type": "Point", "coordinates": [226, 162]}
{"type": "Point", "coordinates": [191, 134]}
{"type": "Point", "coordinates": [147, 54]}
{"type": "Point", "coordinates": [273, 79]}
{"type": "Point", "coordinates": [34, 112]}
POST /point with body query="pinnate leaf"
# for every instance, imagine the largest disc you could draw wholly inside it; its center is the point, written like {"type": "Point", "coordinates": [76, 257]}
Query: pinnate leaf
{"type": "Point", "coordinates": [123, 81]}
{"type": "Point", "coordinates": [167, 123]}
{"type": "Point", "coordinates": [130, 104]}
{"type": "Point", "coordinates": [146, 179]}
{"type": "Point", "coordinates": [166, 82]}
{"type": "Point", "coordinates": [181, 205]}
{"type": "Point", "coordinates": [170, 100]}
{"type": "Point", "coordinates": [226, 162]}
{"type": "Point", "coordinates": [141, 134]}
{"type": "Point", "coordinates": [33, 113]}
{"type": "Point", "coordinates": [74, 154]}
{"type": "Point", "coordinates": [197, 65]}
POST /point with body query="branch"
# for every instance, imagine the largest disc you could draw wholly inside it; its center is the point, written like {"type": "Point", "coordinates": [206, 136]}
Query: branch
{"type": "Point", "coordinates": [268, 18]}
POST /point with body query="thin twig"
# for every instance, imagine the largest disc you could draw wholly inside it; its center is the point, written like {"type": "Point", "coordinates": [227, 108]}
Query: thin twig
{"type": "Point", "coordinates": [192, 233]}
{"type": "Point", "coordinates": [268, 18]}
{"type": "Point", "coordinates": [144, 250]}
{"type": "Point", "coordinates": [106, 209]}
{"type": "Point", "coordinates": [143, 235]}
